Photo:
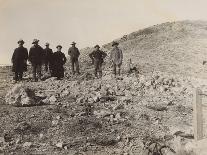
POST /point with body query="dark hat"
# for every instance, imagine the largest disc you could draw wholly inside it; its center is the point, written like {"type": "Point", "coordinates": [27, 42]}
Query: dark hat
{"type": "Point", "coordinates": [47, 44]}
{"type": "Point", "coordinates": [35, 41]}
{"type": "Point", "coordinates": [97, 46]}
{"type": "Point", "coordinates": [58, 46]}
{"type": "Point", "coordinates": [73, 43]}
{"type": "Point", "coordinates": [20, 41]}
{"type": "Point", "coordinates": [115, 43]}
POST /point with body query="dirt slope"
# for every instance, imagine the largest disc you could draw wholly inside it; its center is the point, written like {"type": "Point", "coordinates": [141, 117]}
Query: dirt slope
{"type": "Point", "coordinates": [177, 48]}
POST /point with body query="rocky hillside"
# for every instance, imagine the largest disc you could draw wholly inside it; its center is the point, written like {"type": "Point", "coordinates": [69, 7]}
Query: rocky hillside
{"type": "Point", "coordinates": [128, 115]}
{"type": "Point", "coordinates": [176, 48]}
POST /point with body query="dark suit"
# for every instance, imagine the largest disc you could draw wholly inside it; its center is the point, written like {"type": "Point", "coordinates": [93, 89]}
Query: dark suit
{"type": "Point", "coordinates": [19, 60]}
{"type": "Point", "coordinates": [97, 59]}
{"type": "Point", "coordinates": [47, 59]}
{"type": "Point", "coordinates": [36, 58]}
{"type": "Point", "coordinates": [74, 55]}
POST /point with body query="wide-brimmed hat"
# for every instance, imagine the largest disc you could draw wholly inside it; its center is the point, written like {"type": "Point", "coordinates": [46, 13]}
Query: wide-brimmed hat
{"type": "Point", "coordinates": [73, 43]}
{"type": "Point", "coordinates": [115, 43]}
{"type": "Point", "coordinates": [58, 46]}
{"type": "Point", "coordinates": [97, 46]}
{"type": "Point", "coordinates": [47, 44]}
{"type": "Point", "coordinates": [35, 41]}
{"type": "Point", "coordinates": [20, 41]}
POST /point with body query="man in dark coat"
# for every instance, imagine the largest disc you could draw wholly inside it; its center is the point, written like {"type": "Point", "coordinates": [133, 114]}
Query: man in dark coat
{"type": "Point", "coordinates": [36, 59]}
{"type": "Point", "coordinates": [19, 60]}
{"type": "Point", "coordinates": [74, 55]}
{"type": "Point", "coordinates": [48, 58]}
{"type": "Point", "coordinates": [97, 57]}
{"type": "Point", "coordinates": [59, 60]}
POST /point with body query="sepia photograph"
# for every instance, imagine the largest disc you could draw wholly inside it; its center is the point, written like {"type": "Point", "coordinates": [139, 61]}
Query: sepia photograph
{"type": "Point", "coordinates": [103, 77]}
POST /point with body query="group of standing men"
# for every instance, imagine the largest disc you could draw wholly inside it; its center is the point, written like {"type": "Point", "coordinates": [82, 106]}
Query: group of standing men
{"type": "Point", "coordinates": [54, 62]}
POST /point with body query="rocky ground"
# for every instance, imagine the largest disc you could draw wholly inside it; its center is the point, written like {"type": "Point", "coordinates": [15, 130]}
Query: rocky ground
{"type": "Point", "coordinates": [127, 115]}
{"type": "Point", "coordinates": [92, 116]}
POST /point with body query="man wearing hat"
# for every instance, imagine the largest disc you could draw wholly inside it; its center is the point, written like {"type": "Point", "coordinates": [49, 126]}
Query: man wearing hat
{"type": "Point", "coordinates": [116, 58]}
{"type": "Point", "coordinates": [97, 57]}
{"type": "Point", "coordinates": [36, 58]}
{"type": "Point", "coordinates": [48, 58]}
{"type": "Point", "coordinates": [74, 54]}
{"type": "Point", "coordinates": [59, 60]}
{"type": "Point", "coordinates": [19, 61]}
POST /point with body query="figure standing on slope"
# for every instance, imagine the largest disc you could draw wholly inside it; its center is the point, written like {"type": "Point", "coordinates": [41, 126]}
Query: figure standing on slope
{"type": "Point", "coordinates": [48, 58]}
{"type": "Point", "coordinates": [59, 60]}
{"type": "Point", "coordinates": [97, 57]}
{"type": "Point", "coordinates": [19, 61]}
{"type": "Point", "coordinates": [74, 54]}
{"type": "Point", "coordinates": [116, 58]}
{"type": "Point", "coordinates": [36, 59]}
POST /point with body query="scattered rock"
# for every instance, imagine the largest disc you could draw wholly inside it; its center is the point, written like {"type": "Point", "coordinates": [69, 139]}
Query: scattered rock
{"type": "Point", "coordinates": [41, 136]}
{"type": "Point", "coordinates": [55, 122]}
{"type": "Point", "coordinates": [102, 113]}
{"type": "Point", "coordinates": [65, 93]}
{"type": "Point", "coordinates": [59, 145]}
{"type": "Point", "coordinates": [107, 140]}
{"type": "Point", "coordinates": [8, 137]}
{"type": "Point", "coordinates": [118, 107]}
{"type": "Point", "coordinates": [22, 127]}
{"type": "Point", "coordinates": [52, 99]}
{"type": "Point", "coordinates": [157, 108]}
{"type": "Point", "coordinates": [58, 117]}
{"type": "Point", "coordinates": [18, 141]}
{"type": "Point", "coordinates": [27, 144]}
{"type": "Point", "coordinates": [2, 140]}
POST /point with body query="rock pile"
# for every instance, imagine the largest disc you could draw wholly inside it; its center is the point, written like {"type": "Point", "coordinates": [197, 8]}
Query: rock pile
{"type": "Point", "coordinates": [21, 95]}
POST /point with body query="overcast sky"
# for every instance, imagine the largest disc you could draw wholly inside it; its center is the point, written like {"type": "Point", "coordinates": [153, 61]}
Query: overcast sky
{"type": "Point", "coordinates": [88, 22]}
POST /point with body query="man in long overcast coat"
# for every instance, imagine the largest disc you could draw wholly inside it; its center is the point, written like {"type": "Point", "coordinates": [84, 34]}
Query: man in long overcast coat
{"type": "Point", "coordinates": [19, 61]}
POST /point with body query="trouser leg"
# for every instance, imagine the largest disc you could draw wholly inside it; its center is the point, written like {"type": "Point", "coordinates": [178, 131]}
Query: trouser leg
{"type": "Point", "coordinates": [50, 68]}
{"type": "Point", "coordinates": [46, 66]}
{"type": "Point", "coordinates": [62, 72]}
{"type": "Point", "coordinates": [77, 66]}
{"type": "Point", "coordinates": [20, 75]}
{"type": "Point", "coordinates": [114, 69]}
{"type": "Point", "coordinates": [16, 76]}
{"type": "Point", "coordinates": [34, 70]}
{"type": "Point", "coordinates": [39, 68]}
{"type": "Point", "coordinates": [119, 70]}
{"type": "Point", "coordinates": [58, 73]}
{"type": "Point", "coordinates": [96, 69]}
{"type": "Point", "coordinates": [72, 66]}
{"type": "Point", "coordinates": [100, 69]}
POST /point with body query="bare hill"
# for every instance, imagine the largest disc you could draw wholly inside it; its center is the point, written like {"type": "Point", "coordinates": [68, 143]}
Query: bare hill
{"type": "Point", "coordinates": [176, 47]}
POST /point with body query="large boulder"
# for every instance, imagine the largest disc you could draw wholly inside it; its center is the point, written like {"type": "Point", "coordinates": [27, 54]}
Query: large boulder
{"type": "Point", "coordinates": [21, 95]}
